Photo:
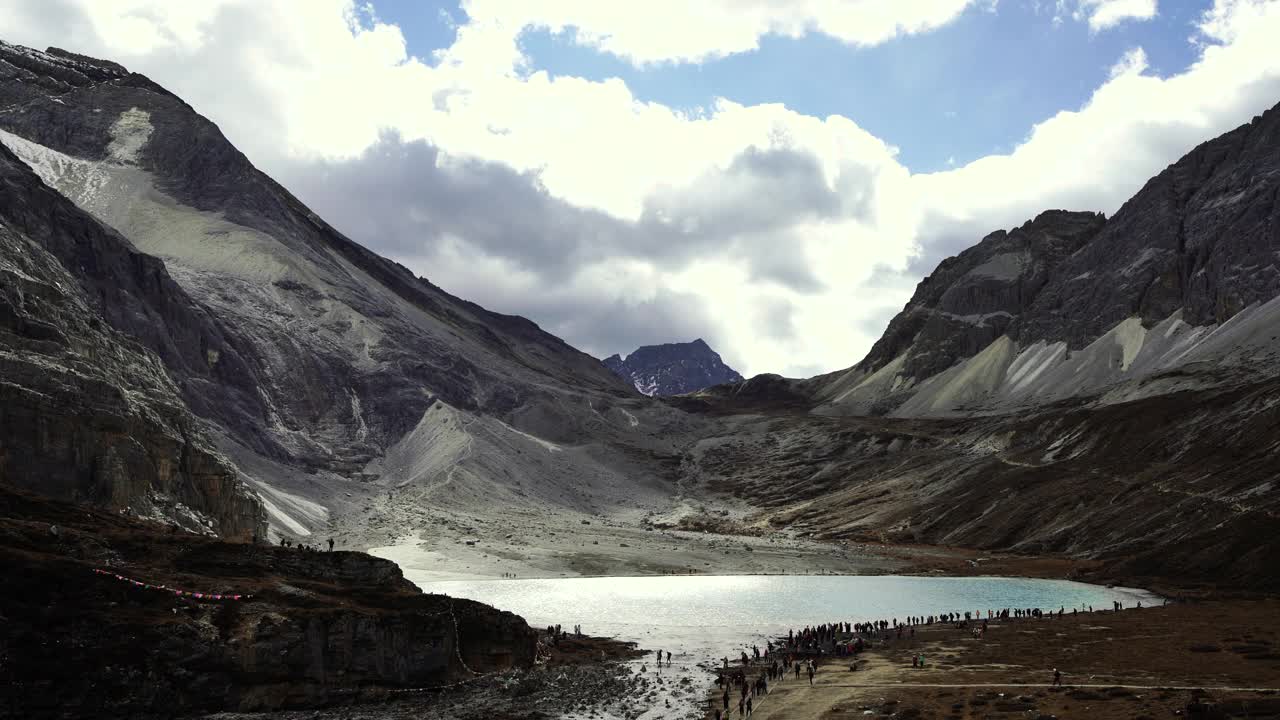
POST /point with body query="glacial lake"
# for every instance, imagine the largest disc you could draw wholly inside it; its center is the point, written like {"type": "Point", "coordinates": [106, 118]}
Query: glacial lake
{"type": "Point", "coordinates": [699, 618]}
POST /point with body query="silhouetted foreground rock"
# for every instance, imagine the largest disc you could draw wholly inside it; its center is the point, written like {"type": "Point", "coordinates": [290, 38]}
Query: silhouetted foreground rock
{"type": "Point", "coordinates": [319, 628]}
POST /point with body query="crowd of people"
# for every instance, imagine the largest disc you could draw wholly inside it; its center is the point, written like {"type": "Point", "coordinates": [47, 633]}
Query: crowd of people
{"type": "Point", "coordinates": [772, 665]}
{"type": "Point", "coordinates": [801, 651]}
{"type": "Point", "coordinates": [286, 542]}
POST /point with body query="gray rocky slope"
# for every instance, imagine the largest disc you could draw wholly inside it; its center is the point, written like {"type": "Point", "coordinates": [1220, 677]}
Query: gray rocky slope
{"type": "Point", "coordinates": [672, 368]}
{"type": "Point", "coordinates": [1094, 387]}
{"type": "Point", "coordinates": [326, 373]}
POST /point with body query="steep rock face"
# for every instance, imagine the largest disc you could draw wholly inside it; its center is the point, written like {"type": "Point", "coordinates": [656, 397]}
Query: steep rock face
{"type": "Point", "coordinates": [672, 368]}
{"type": "Point", "coordinates": [319, 627]}
{"type": "Point", "coordinates": [1201, 238]}
{"type": "Point", "coordinates": [975, 297]}
{"type": "Point", "coordinates": [87, 412]}
{"type": "Point", "coordinates": [1070, 303]}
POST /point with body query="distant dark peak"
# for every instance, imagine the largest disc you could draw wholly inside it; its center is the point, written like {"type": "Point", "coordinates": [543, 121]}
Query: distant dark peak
{"type": "Point", "coordinates": [672, 368]}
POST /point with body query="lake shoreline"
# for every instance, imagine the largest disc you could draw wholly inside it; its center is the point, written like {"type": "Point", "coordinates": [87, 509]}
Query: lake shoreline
{"type": "Point", "coordinates": [1115, 665]}
{"type": "Point", "coordinates": [546, 544]}
{"type": "Point", "coordinates": [551, 546]}
{"type": "Point", "coordinates": [700, 619]}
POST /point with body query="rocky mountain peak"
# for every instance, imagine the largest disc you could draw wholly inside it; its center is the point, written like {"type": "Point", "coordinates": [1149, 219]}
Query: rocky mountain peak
{"type": "Point", "coordinates": [672, 368]}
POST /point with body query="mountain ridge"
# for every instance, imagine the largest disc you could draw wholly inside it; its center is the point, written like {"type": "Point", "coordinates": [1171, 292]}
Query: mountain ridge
{"type": "Point", "coordinates": [1188, 253]}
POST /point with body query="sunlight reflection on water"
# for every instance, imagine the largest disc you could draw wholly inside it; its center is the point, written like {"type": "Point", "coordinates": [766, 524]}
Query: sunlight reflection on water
{"type": "Point", "coordinates": [703, 617]}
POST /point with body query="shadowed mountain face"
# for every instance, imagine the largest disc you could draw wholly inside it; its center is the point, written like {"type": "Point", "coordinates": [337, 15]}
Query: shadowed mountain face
{"type": "Point", "coordinates": [182, 338]}
{"type": "Point", "coordinates": [88, 410]}
{"type": "Point", "coordinates": [673, 368]}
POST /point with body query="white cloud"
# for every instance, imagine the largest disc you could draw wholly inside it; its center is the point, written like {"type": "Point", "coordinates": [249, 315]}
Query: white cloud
{"type": "Point", "coordinates": [1133, 62]}
{"type": "Point", "coordinates": [607, 218]}
{"type": "Point", "coordinates": [676, 30]}
{"type": "Point", "coordinates": [1105, 14]}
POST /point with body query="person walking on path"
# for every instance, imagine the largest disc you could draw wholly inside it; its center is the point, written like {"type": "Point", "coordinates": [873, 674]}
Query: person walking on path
{"type": "Point", "coordinates": [1057, 677]}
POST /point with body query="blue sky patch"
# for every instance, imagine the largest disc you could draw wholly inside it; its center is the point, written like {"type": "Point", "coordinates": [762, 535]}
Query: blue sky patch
{"type": "Point", "coordinates": [971, 88]}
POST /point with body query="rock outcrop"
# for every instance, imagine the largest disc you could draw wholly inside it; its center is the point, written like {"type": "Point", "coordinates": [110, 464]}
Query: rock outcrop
{"type": "Point", "coordinates": [319, 627]}
{"type": "Point", "coordinates": [672, 368]}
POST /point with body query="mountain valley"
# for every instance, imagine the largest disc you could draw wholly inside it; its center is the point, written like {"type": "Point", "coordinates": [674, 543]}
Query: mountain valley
{"type": "Point", "coordinates": [204, 364]}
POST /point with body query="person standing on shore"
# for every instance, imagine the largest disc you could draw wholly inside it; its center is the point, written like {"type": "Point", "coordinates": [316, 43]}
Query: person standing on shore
{"type": "Point", "coordinates": [1057, 677]}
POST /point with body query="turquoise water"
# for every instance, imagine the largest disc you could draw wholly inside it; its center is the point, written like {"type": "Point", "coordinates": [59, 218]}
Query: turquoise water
{"type": "Point", "coordinates": [703, 617]}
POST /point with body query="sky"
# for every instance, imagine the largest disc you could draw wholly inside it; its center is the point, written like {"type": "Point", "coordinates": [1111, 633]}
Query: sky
{"type": "Point", "coordinates": [774, 176]}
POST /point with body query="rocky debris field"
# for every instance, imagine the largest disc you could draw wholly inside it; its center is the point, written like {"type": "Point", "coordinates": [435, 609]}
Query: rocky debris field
{"type": "Point", "coordinates": [609, 689]}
